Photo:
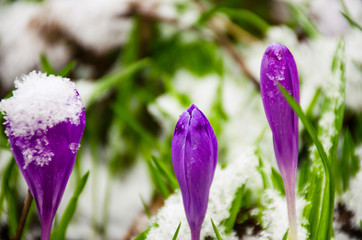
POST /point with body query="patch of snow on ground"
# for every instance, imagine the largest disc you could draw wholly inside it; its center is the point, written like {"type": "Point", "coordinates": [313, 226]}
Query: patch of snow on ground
{"type": "Point", "coordinates": [275, 216]}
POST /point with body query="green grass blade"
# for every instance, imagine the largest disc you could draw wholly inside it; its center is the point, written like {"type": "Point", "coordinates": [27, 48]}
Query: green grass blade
{"type": "Point", "coordinates": [277, 181]}
{"type": "Point", "coordinates": [351, 22]}
{"type": "Point", "coordinates": [60, 230]}
{"type": "Point", "coordinates": [309, 127]}
{"type": "Point", "coordinates": [170, 178]}
{"type": "Point", "coordinates": [286, 235]}
{"type": "Point", "coordinates": [145, 207]}
{"type": "Point", "coordinates": [176, 233]}
{"type": "Point", "coordinates": [67, 69]}
{"type": "Point", "coordinates": [157, 180]}
{"type": "Point", "coordinates": [217, 234]}
{"type": "Point", "coordinates": [234, 209]}
{"type": "Point", "coordinates": [46, 66]}
{"type": "Point", "coordinates": [112, 80]}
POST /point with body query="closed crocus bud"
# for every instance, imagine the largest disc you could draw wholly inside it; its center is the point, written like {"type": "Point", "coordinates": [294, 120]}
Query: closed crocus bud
{"type": "Point", "coordinates": [44, 122]}
{"type": "Point", "coordinates": [194, 157]}
{"type": "Point", "coordinates": [278, 65]}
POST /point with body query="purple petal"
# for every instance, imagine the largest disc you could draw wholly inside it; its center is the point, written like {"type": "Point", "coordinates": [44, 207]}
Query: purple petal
{"type": "Point", "coordinates": [47, 183]}
{"type": "Point", "coordinates": [278, 65]}
{"type": "Point", "coordinates": [194, 157]}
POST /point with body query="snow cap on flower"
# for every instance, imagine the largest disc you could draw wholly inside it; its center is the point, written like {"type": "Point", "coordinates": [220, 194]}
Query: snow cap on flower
{"type": "Point", "coordinates": [278, 66]}
{"type": "Point", "coordinates": [44, 122]}
{"type": "Point", "coordinates": [194, 156]}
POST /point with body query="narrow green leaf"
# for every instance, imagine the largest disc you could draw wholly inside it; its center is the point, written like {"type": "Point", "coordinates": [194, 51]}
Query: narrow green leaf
{"type": "Point", "coordinates": [234, 209]}
{"type": "Point", "coordinates": [143, 235]}
{"type": "Point", "coordinates": [170, 178]}
{"type": "Point", "coordinates": [351, 22]}
{"type": "Point", "coordinates": [277, 181]}
{"type": "Point", "coordinates": [313, 102]}
{"type": "Point", "coordinates": [217, 234]}
{"type": "Point", "coordinates": [46, 66]}
{"type": "Point", "coordinates": [309, 127]}
{"type": "Point", "coordinates": [145, 207]}
{"type": "Point", "coordinates": [158, 181]}
{"type": "Point", "coordinates": [60, 231]}
{"type": "Point", "coordinates": [176, 233]}
{"type": "Point", "coordinates": [303, 175]}
{"type": "Point", "coordinates": [263, 174]}
{"type": "Point", "coordinates": [108, 82]}
{"type": "Point", "coordinates": [286, 235]}
{"type": "Point", "coordinates": [67, 69]}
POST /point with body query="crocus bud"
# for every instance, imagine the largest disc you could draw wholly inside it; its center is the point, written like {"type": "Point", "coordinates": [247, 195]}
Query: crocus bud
{"type": "Point", "coordinates": [44, 122]}
{"type": "Point", "coordinates": [194, 157]}
{"type": "Point", "coordinates": [278, 65]}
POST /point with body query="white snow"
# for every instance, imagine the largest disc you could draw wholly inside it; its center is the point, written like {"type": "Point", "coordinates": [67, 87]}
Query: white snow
{"type": "Point", "coordinates": [275, 216]}
{"type": "Point", "coordinates": [353, 196]}
{"type": "Point", "coordinates": [39, 103]}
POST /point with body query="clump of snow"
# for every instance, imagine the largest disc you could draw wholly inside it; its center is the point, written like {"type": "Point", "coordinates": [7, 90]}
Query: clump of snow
{"type": "Point", "coordinates": [40, 102]}
{"type": "Point", "coordinates": [275, 216]}
{"type": "Point", "coordinates": [226, 182]}
{"type": "Point", "coordinates": [353, 195]}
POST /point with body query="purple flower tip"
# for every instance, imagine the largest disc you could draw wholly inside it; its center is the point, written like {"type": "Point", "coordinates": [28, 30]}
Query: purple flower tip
{"type": "Point", "coordinates": [194, 157]}
{"type": "Point", "coordinates": [44, 122]}
{"type": "Point", "coordinates": [278, 65]}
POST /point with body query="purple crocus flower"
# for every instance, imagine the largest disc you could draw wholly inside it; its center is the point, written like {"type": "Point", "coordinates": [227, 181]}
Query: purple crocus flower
{"type": "Point", "coordinates": [194, 157]}
{"type": "Point", "coordinates": [44, 122]}
{"type": "Point", "coordinates": [278, 65]}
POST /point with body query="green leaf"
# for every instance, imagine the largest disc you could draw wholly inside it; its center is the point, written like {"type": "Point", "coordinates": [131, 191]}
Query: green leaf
{"type": "Point", "coordinates": [145, 207]}
{"type": "Point", "coordinates": [263, 174]}
{"type": "Point", "coordinates": [217, 234]}
{"type": "Point", "coordinates": [234, 209]}
{"type": "Point", "coordinates": [66, 70]}
{"type": "Point", "coordinates": [349, 164]}
{"type": "Point", "coordinates": [46, 66]}
{"type": "Point", "coordinates": [170, 178]}
{"type": "Point", "coordinates": [351, 22]}
{"type": "Point", "coordinates": [309, 127]}
{"type": "Point", "coordinates": [110, 81]}
{"type": "Point", "coordinates": [277, 181]}
{"type": "Point", "coordinates": [286, 235]}
{"type": "Point", "coordinates": [157, 180]}
{"type": "Point", "coordinates": [60, 230]}
{"type": "Point", "coordinates": [9, 187]}
{"type": "Point", "coordinates": [303, 175]}
{"type": "Point", "coordinates": [143, 235]}
{"type": "Point", "coordinates": [176, 233]}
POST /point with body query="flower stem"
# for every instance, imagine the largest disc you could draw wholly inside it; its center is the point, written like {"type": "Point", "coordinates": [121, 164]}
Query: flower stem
{"type": "Point", "coordinates": [23, 217]}
{"type": "Point", "coordinates": [292, 213]}
{"type": "Point", "coordinates": [195, 234]}
{"type": "Point", "coordinates": [46, 228]}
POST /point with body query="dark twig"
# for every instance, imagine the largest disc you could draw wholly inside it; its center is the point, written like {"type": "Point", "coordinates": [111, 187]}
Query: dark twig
{"type": "Point", "coordinates": [24, 215]}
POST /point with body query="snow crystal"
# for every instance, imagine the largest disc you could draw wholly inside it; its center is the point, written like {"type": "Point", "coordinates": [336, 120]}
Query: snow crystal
{"type": "Point", "coordinates": [222, 193]}
{"type": "Point", "coordinates": [275, 216]}
{"type": "Point", "coordinates": [40, 102]}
